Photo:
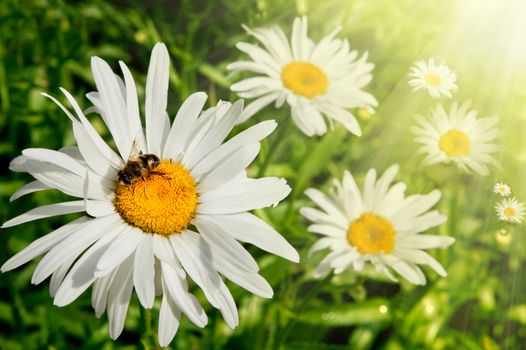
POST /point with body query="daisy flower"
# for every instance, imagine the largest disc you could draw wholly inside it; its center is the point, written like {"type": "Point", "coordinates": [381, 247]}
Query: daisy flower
{"type": "Point", "coordinates": [502, 189]}
{"type": "Point", "coordinates": [459, 137]}
{"type": "Point", "coordinates": [155, 220]}
{"type": "Point", "coordinates": [379, 225]}
{"type": "Point", "coordinates": [510, 210]}
{"type": "Point", "coordinates": [436, 79]}
{"type": "Point", "coordinates": [316, 80]}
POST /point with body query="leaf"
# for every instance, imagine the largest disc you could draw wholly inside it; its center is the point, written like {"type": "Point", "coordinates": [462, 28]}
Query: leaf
{"type": "Point", "coordinates": [214, 74]}
{"type": "Point", "coordinates": [316, 159]}
{"type": "Point", "coordinates": [518, 313]}
{"type": "Point", "coordinates": [369, 312]}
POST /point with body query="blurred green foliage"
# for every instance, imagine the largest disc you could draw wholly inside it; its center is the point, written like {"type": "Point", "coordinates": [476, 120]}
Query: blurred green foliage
{"type": "Point", "coordinates": [47, 44]}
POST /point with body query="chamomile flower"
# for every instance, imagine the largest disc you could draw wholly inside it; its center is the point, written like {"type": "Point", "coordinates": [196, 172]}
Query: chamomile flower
{"type": "Point", "coordinates": [379, 225]}
{"type": "Point", "coordinates": [316, 80]}
{"type": "Point", "coordinates": [458, 137]}
{"type": "Point", "coordinates": [436, 79]}
{"type": "Point", "coordinates": [502, 189]}
{"type": "Point", "coordinates": [511, 210]}
{"type": "Point", "coordinates": [179, 219]}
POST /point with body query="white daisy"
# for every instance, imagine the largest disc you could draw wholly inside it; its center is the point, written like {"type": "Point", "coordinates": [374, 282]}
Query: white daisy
{"type": "Point", "coordinates": [182, 220]}
{"type": "Point", "coordinates": [502, 189]}
{"type": "Point", "coordinates": [459, 137]}
{"type": "Point", "coordinates": [316, 80]}
{"type": "Point", "coordinates": [379, 225]}
{"type": "Point", "coordinates": [436, 79]}
{"type": "Point", "coordinates": [511, 210]}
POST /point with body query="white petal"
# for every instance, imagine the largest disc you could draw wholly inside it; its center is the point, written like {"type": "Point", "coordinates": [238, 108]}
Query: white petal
{"type": "Point", "coordinates": [251, 135]}
{"type": "Point", "coordinates": [28, 188]}
{"type": "Point", "coordinates": [224, 245]}
{"type": "Point", "coordinates": [177, 288]}
{"type": "Point", "coordinates": [98, 208]}
{"type": "Point", "coordinates": [183, 124]}
{"type": "Point", "coordinates": [43, 244]}
{"type": "Point", "coordinates": [112, 105]}
{"type": "Point", "coordinates": [99, 296]}
{"type": "Point", "coordinates": [73, 246]}
{"type": "Point", "coordinates": [82, 274]}
{"type": "Point", "coordinates": [257, 105]}
{"type": "Point", "coordinates": [93, 138]}
{"type": "Point", "coordinates": [248, 228]}
{"type": "Point", "coordinates": [198, 149]}
{"type": "Point", "coordinates": [58, 276]}
{"type": "Point", "coordinates": [163, 250]}
{"type": "Point", "coordinates": [237, 162]}
{"type": "Point", "coordinates": [57, 158]}
{"type": "Point", "coordinates": [326, 204]}
{"type": "Point", "coordinates": [240, 196]}
{"type": "Point", "coordinates": [132, 107]}
{"type": "Point", "coordinates": [144, 273]}
{"type": "Point", "coordinates": [119, 250]}
{"type": "Point", "coordinates": [193, 252]}
{"type": "Point", "coordinates": [46, 211]}
{"type": "Point", "coordinates": [119, 297]}
{"type": "Point", "coordinates": [169, 317]}
{"type": "Point", "coordinates": [419, 241]}
{"type": "Point", "coordinates": [157, 98]}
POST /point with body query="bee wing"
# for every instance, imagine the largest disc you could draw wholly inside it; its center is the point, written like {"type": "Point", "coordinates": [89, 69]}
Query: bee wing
{"type": "Point", "coordinates": [137, 146]}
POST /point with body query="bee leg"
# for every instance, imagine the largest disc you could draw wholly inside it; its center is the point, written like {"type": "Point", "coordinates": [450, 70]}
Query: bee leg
{"type": "Point", "coordinates": [144, 188]}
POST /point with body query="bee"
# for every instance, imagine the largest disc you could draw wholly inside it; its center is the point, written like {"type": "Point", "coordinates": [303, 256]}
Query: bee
{"type": "Point", "coordinates": [138, 167]}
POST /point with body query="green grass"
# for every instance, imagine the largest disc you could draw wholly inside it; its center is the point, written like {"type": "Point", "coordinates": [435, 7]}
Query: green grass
{"type": "Point", "coordinates": [47, 44]}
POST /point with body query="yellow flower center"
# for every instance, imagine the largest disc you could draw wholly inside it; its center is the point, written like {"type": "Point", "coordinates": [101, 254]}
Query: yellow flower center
{"type": "Point", "coordinates": [454, 143]}
{"type": "Point", "coordinates": [371, 234]}
{"type": "Point", "coordinates": [164, 201]}
{"type": "Point", "coordinates": [433, 79]}
{"type": "Point", "coordinates": [510, 212]}
{"type": "Point", "coordinates": [304, 79]}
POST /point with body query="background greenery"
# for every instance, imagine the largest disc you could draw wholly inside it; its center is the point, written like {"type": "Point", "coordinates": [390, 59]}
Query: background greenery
{"type": "Point", "coordinates": [45, 44]}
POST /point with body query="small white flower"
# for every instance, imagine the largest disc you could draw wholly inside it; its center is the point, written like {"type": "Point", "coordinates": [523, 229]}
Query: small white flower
{"type": "Point", "coordinates": [511, 210]}
{"type": "Point", "coordinates": [379, 225]}
{"type": "Point", "coordinates": [181, 221]}
{"type": "Point", "coordinates": [502, 189]}
{"type": "Point", "coordinates": [316, 80]}
{"type": "Point", "coordinates": [459, 137]}
{"type": "Point", "coordinates": [436, 79]}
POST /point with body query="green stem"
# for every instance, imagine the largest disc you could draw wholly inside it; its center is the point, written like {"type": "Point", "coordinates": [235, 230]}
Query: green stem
{"type": "Point", "coordinates": [272, 146]}
{"type": "Point", "coordinates": [310, 295]}
{"type": "Point", "coordinates": [148, 338]}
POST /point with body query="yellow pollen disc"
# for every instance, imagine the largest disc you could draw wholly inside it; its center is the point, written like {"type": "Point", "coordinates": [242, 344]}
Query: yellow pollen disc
{"type": "Point", "coordinates": [433, 79]}
{"type": "Point", "coordinates": [454, 143]}
{"type": "Point", "coordinates": [509, 212]}
{"type": "Point", "coordinates": [371, 234]}
{"type": "Point", "coordinates": [164, 202]}
{"type": "Point", "coordinates": [304, 79]}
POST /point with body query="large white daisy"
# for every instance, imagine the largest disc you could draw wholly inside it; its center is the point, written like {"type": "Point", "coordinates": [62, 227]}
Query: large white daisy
{"type": "Point", "coordinates": [436, 79]}
{"type": "Point", "coordinates": [182, 220]}
{"type": "Point", "coordinates": [317, 80]}
{"type": "Point", "coordinates": [379, 225]}
{"type": "Point", "coordinates": [459, 137]}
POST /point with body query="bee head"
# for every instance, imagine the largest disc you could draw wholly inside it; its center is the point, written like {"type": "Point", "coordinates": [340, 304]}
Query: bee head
{"type": "Point", "coordinates": [125, 178]}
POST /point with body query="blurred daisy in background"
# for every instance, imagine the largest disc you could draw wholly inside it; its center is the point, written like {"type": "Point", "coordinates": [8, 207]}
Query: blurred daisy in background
{"type": "Point", "coordinates": [155, 231]}
{"type": "Point", "coordinates": [379, 225]}
{"type": "Point", "coordinates": [316, 80]}
{"type": "Point", "coordinates": [511, 210]}
{"type": "Point", "coordinates": [502, 189]}
{"type": "Point", "coordinates": [436, 79]}
{"type": "Point", "coordinates": [459, 137]}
